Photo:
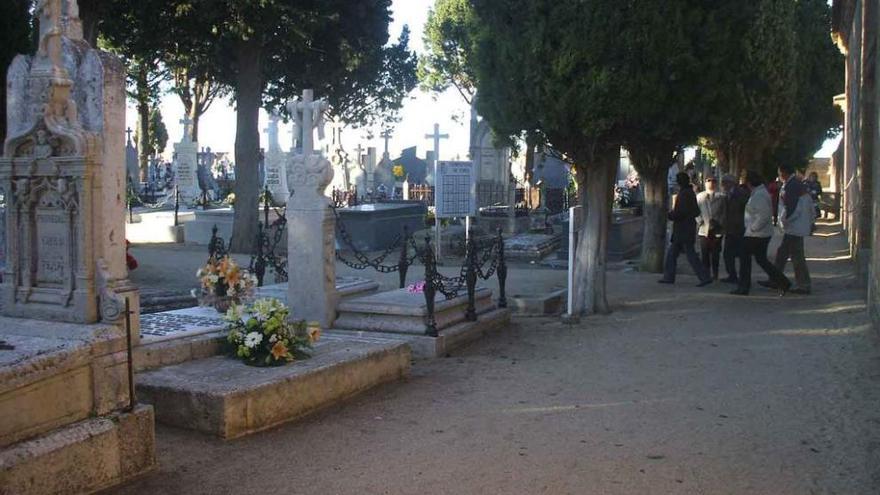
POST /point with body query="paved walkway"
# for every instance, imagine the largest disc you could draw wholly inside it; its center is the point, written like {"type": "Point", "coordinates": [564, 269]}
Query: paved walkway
{"type": "Point", "coordinates": [680, 391]}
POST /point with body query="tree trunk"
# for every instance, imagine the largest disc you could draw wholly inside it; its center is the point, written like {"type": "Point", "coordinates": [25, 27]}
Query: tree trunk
{"type": "Point", "coordinates": [248, 97]}
{"type": "Point", "coordinates": [656, 199]}
{"type": "Point", "coordinates": [143, 110]}
{"type": "Point", "coordinates": [594, 195]}
{"type": "Point", "coordinates": [195, 115]}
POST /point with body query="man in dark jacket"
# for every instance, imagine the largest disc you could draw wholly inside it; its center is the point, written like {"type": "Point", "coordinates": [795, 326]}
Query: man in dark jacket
{"type": "Point", "coordinates": [684, 233]}
{"type": "Point", "coordinates": [734, 224]}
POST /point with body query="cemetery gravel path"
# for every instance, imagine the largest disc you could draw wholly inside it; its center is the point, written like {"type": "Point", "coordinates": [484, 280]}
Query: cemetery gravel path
{"type": "Point", "coordinates": [679, 391]}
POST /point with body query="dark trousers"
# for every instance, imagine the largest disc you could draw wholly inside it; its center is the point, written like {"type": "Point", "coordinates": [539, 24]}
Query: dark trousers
{"type": "Point", "coordinates": [756, 247]}
{"type": "Point", "coordinates": [733, 250]}
{"type": "Point", "coordinates": [792, 246]}
{"type": "Point", "coordinates": [675, 249]}
{"type": "Point", "coordinates": [710, 251]}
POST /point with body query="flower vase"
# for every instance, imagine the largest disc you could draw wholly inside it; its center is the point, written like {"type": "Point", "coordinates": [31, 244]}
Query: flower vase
{"type": "Point", "coordinates": [223, 303]}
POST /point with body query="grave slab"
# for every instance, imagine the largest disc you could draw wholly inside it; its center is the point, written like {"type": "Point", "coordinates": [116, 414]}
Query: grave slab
{"type": "Point", "coordinates": [530, 247]}
{"type": "Point", "coordinates": [373, 227]}
{"type": "Point", "coordinates": [400, 315]}
{"type": "Point", "coordinates": [224, 397]}
{"type": "Point", "coordinates": [400, 311]}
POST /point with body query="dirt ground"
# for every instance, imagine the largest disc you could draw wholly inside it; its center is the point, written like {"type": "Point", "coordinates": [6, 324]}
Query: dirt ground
{"type": "Point", "coordinates": [679, 391]}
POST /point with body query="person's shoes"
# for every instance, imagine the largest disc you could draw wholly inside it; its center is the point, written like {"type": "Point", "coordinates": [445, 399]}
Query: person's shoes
{"type": "Point", "coordinates": [730, 280]}
{"type": "Point", "coordinates": [740, 292]}
{"type": "Point", "coordinates": [704, 283]}
{"type": "Point", "coordinates": [768, 284]}
{"type": "Point", "coordinates": [800, 291]}
{"type": "Point", "coordinates": [664, 281]}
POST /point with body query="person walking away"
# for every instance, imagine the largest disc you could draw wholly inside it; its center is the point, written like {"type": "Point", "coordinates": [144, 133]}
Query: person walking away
{"type": "Point", "coordinates": [736, 198]}
{"type": "Point", "coordinates": [795, 217]}
{"type": "Point", "coordinates": [758, 222]}
{"type": "Point", "coordinates": [712, 204]}
{"type": "Point", "coordinates": [815, 189]}
{"type": "Point", "coordinates": [684, 233]}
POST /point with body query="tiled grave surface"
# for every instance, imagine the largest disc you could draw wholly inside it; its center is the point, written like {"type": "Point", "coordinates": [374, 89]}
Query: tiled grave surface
{"type": "Point", "coordinates": [180, 322]}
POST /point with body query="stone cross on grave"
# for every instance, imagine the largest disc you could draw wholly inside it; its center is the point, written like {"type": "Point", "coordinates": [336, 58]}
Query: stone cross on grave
{"type": "Point", "coordinates": [308, 114]}
{"type": "Point", "coordinates": [386, 135]}
{"type": "Point", "coordinates": [187, 129]}
{"type": "Point", "coordinates": [272, 132]}
{"type": "Point", "coordinates": [436, 136]}
{"type": "Point", "coordinates": [360, 155]}
{"type": "Point", "coordinates": [128, 135]}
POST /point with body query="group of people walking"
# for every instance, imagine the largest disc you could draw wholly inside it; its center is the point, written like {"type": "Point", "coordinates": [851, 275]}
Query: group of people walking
{"type": "Point", "coordinates": [736, 223]}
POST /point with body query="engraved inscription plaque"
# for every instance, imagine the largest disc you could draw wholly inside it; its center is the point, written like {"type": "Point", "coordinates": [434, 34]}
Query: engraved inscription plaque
{"type": "Point", "coordinates": [53, 246]}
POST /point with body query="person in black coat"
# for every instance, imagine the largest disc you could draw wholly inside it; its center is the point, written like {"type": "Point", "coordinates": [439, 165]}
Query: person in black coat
{"type": "Point", "coordinates": [684, 233]}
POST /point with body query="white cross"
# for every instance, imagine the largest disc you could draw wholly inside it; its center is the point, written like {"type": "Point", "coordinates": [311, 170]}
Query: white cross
{"type": "Point", "coordinates": [436, 136]}
{"type": "Point", "coordinates": [272, 131]}
{"type": "Point", "coordinates": [386, 134]}
{"type": "Point", "coordinates": [309, 115]}
{"type": "Point", "coordinates": [187, 128]}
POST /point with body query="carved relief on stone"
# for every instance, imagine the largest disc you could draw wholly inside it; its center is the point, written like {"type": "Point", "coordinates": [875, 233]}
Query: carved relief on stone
{"type": "Point", "coordinates": [313, 173]}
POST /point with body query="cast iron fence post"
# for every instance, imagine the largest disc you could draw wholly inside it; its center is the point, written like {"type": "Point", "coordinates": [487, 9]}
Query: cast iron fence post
{"type": "Point", "coordinates": [502, 271]}
{"type": "Point", "coordinates": [260, 258]}
{"type": "Point", "coordinates": [403, 262]}
{"type": "Point", "coordinates": [266, 206]}
{"type": "Point", "coordinates": [430, 290]}
{"type": "Point", "coordinates": [471, 277]}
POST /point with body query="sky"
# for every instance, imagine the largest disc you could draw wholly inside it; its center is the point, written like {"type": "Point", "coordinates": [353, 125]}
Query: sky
{"type": "Point", "coordinates": [418, 116]}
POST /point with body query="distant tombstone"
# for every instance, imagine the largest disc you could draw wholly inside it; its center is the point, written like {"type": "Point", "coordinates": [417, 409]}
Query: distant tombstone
{"type": "Point", "coordinates": [132, 166]}
{"type": "Point", "coordinates": [63, 169]}
{"type": "Point", "coordinates": [491, 163]}
{"type": "Point", "coordinates": [186, 165]}
{"type": "Point", "coordinates": [370, 166]}
{"type": "Point", "coordinates": [276, 169]}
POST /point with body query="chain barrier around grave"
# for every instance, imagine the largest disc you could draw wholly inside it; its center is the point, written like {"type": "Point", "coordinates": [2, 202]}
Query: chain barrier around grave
{"type": "Point", "coordinates": [269, 238]}
{"type": "Point", "coordinates": [483, 260]}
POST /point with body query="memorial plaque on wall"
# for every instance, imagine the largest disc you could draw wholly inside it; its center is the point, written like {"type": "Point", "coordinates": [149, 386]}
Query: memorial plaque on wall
{"type": "Point", "coordinates": [456, 189]}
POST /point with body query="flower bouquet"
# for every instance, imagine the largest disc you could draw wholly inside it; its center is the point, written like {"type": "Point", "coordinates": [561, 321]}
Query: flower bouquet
{"type": "Point", "coordinates": [224, 283]}
{"type": "Point", "coordinates": [262, 334]}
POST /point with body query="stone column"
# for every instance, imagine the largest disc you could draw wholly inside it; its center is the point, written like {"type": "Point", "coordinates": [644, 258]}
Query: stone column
{"type": "Point", "coordinates": [311, 225]}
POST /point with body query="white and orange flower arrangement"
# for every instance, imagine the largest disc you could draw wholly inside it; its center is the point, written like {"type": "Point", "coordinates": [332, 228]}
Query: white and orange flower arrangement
{"type": "Point", "coordinates": [262, 334]}
{"type": "Point", "coordinates": [224, 283]}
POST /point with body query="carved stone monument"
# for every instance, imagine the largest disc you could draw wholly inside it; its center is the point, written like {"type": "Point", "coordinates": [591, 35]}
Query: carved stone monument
{"type": "Point", "coordinates": [69, 423]}
{"type": "Point", "coordinates": [276, 174]}
{"type": "Point", "coordinates": [311, 226]}
{"type": "Point", "coordinates": [186, 172]}
{"type": "Point", "coordinates": [64, 165]}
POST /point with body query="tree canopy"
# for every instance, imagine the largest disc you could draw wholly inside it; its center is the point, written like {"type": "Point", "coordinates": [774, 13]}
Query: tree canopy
{"type": "Point", "coordinates": [449, 38]}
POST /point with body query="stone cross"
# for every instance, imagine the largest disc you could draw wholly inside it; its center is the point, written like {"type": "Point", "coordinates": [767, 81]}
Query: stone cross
{"type": "Point", "coordinates": [187, 129]}
{"type": "Point", "coordinates": [436, 136]}
{"type": "Point", "coordinates": [386, 134]}
{"type": "Point", "coordinates": [128, 135]}
{"type": "Point", "coordinates": [309, 115]}
{"type": "Point", "coordinates": [360, 156]}
{"type": "Point", "coordinates": [272, 131]}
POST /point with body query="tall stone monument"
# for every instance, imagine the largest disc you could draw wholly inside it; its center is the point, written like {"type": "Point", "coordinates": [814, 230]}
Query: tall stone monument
{"type": "Point", "coordinates": [492, 164]}
{"type": "Point", "coordinates": [186, 172]}
{"type": "Point", "coordinates": [311, 225]}
{"type": "Point", "coordinates": [64, 165]}
{"type": "Point", "coordinates": [69, 422]}
{"type": "Point", "coordinates": [276, 173]}
{"type": "Point", "coordinates": [132, 167]}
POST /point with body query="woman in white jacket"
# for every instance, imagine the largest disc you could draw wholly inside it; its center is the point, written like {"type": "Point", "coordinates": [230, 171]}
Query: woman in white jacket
{"type": "Point", "coordinates": [759, 230]}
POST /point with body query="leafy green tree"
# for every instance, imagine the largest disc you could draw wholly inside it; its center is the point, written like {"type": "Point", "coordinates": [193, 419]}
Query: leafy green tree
{"type": "Point", "coordinates": [658, 79]}
{"type": "Point", "coordinates": [820, 76]}
{"type": "Point", "coordinates": [158, 140]}
{"type": "Point", "coordinates": [449, 38]}
{"type": "Point", "coordinates": [751, 79]}
{"type": "Point", "coordinates": [136, 31]}
{"type": "Point", "coordinates": [16, 37]}
{"type": "Point", "coordinates": [270, 50]}
{"type": "Point", "coordinates": [547, 67]}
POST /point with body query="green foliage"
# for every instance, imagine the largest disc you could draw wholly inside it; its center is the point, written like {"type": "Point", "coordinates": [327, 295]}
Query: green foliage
{"type": "Point", "coordinates": [819, 77]}
{"type": "Point", "coordinates": [158, 133]}
{"type": "Point", "coordinates": [450, 40]}
{"type": "Point", "coordinates": [15, 38]}
{"type": "Point", "coordinates": [753, 78]}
